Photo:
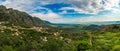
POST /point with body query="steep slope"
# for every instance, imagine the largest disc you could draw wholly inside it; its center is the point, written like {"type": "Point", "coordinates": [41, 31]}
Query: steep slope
{"type": "Point", "coordinates": [19, 18]}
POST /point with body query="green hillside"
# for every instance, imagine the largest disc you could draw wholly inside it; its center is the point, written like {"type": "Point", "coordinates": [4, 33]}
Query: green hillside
{"type": "Point", "coordinates": [22, 32]}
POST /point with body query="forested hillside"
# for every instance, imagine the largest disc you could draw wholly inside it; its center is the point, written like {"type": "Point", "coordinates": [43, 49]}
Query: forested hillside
{"type": "Point", "coordinates": [22, 32]}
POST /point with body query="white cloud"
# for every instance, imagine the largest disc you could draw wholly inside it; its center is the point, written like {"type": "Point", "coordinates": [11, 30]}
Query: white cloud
{"type": "Point", "coordinates": [85, 6]}
{"type": "Point", "coordinates": [21, 5]}
{"type": "Point", "coordinates": [55, 18]}
{"type": "Point", "coordinates": [93, 6]}
{"type": "Point", "coordinates": [80, 6]}
{"type": "Point", "coordinates": [52, 17]}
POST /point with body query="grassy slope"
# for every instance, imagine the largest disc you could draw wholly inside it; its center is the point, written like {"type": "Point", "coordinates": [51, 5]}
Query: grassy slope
{"type": "Point", "coordinates": [106, 41]}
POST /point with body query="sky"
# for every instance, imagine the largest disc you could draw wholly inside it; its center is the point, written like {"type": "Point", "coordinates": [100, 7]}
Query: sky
{"type": "Point", "coordinates": [68, 11]}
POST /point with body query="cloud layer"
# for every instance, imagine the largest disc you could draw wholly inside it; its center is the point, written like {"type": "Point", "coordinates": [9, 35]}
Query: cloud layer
{"type": "Point", "coordinates": [77, 11]}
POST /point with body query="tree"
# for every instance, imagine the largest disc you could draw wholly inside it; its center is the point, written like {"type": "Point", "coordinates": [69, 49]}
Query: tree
{"type": "Point", "coordinates": [116, 48]}
{"type": "Point", "coordinates": [83, 46]}
{"type": "Point", "coordinates": [7, 48]}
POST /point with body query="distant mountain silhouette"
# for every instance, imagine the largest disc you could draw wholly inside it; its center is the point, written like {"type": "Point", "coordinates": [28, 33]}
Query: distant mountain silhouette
{"type": "Point", "coordinates": [23, 19]}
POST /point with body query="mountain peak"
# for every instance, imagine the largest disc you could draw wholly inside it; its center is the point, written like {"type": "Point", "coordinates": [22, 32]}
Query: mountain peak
{"type": "Point", "coordinates": [2, 7]}
{"type": "Point", "coordinates": [18, 18]}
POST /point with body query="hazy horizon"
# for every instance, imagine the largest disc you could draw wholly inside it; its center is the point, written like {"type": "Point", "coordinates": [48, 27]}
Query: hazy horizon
{"type": "Point", "coordinates": [68, 11]}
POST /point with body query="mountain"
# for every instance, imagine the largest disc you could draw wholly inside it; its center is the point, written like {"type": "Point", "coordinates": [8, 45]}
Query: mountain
{"type": "Point", "coordinates": [23, 19]}
{"type": "Point", "coordinates": [17, 34]}
{"type": "Point", "coordinates": [19, 18]}
{"type": "Point", "coordinates": [87, 23]}
{"type": "Point", "coordinates": [102, 23]}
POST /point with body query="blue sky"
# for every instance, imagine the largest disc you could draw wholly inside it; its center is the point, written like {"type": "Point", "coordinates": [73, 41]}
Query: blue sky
{"type": "Point", "coordinates": [68, 11]}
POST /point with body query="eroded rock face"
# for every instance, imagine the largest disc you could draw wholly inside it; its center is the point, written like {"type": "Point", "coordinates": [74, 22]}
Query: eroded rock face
{"type": "Point", "coordinates": [18, 18]}
{"type": "Point", "coordinates": [2, 7]}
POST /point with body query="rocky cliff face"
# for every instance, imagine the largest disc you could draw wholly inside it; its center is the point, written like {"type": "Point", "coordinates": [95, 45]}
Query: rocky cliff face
{"type": "Point", "coordinates": [19, 18]}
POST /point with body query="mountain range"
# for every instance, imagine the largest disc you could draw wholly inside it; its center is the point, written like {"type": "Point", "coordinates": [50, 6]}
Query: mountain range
{"type": "Point", "coordinates": [20, 31]}
{"type": "Point", "coordinates": [22, 18]}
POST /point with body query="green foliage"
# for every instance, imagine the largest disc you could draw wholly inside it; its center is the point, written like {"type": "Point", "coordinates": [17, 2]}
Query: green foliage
{"type": "Point", "coordinates": [17, 34]}
{"type": "Point", "coordinates": [7, 48]}
{"type": "Point", "coordinates": [116, 48]}
{"type": "Point", "coordinates": [83, 46]}
{"type": "Point", "coordinates": [53, 45]}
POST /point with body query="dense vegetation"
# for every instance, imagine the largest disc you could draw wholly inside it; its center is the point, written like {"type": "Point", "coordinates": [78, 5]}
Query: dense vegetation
{"type": "Point", "coordinates": [17, 34]}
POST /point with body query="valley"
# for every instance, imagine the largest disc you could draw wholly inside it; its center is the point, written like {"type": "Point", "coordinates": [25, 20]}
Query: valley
{"type": "Point", "coordinates": [21, 32]}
